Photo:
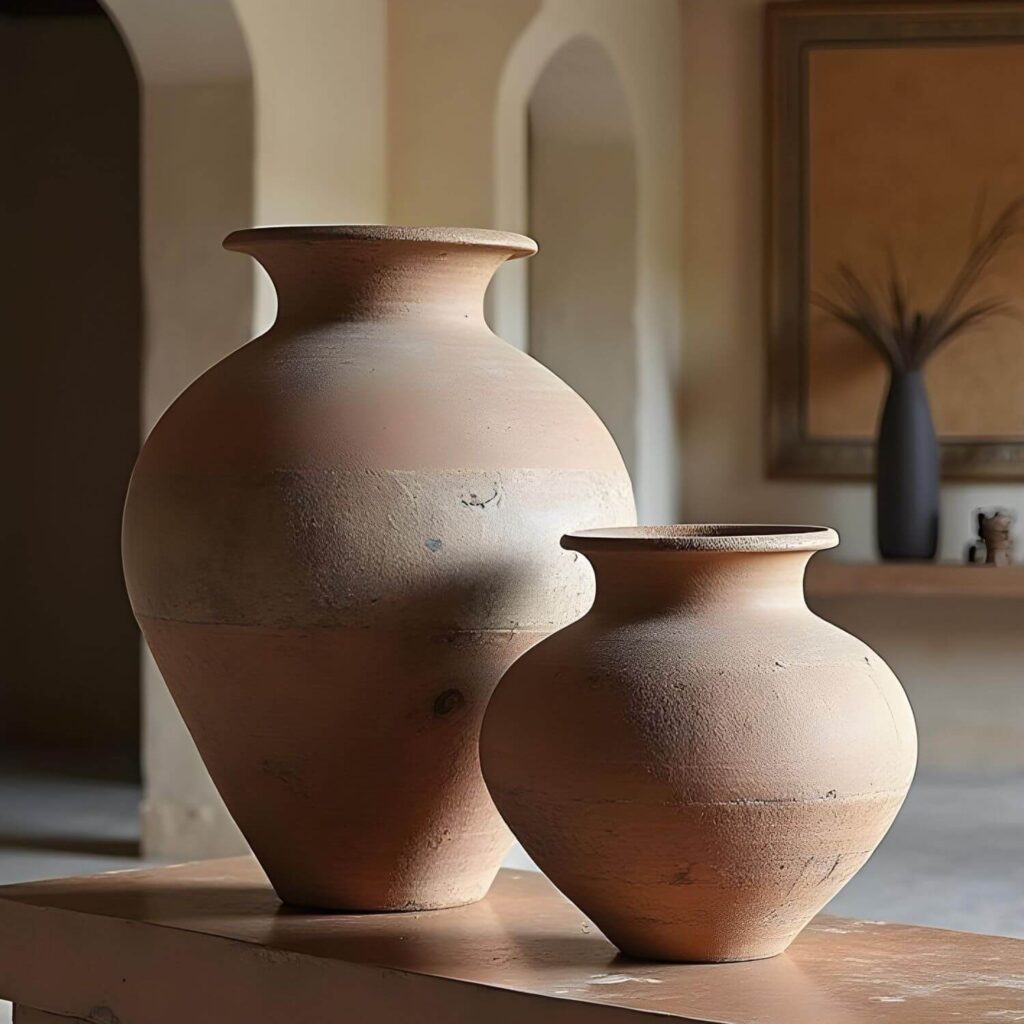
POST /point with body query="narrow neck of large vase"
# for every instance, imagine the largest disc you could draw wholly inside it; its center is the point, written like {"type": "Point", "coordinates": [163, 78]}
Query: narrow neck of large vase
{"type": "Point", "coordinates": [332, 278]}
{"type": "Point", "coordinates": [646, 582]}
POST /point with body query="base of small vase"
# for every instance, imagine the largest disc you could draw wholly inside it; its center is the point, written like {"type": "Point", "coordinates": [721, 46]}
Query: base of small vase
{"type": "Point", "coordinates": [697, 955]}
{"type": "Point", "coordinates": [714, 941]}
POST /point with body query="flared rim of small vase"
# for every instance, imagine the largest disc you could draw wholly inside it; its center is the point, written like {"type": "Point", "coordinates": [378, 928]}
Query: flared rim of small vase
{"type": "Point", "coordinates": [722, 537]}
{"type": "Point", "coordinates": [516, 246]}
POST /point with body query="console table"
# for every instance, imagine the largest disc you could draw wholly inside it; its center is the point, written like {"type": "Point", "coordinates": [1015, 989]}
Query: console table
{"type": "Point", "coordinates": [208, 943]}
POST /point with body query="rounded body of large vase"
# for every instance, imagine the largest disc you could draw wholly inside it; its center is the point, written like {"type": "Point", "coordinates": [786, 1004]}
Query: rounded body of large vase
{"type": "Point", "coordinates": [339, 537]}
{"type": "Point", "coordinates": [700, 763]}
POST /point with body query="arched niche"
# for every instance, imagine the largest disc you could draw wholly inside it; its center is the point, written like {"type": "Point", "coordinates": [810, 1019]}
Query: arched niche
{"type": "Point", "coordinates": [643, 51]}
{"type": "Point", "coordinates": [197, 153]}
{"type": "Point", "coordinates": [582, 210]}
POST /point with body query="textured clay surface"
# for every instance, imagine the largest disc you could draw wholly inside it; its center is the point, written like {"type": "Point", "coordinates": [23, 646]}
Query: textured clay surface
{"type": "Point", "coordinates": [700, 763]}
{"type": "Point", "coordinates": [337, 540]}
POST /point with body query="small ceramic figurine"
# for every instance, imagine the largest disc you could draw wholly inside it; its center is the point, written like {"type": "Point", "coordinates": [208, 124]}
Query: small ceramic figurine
{"type": "Point", "coordinates": [994, 545]}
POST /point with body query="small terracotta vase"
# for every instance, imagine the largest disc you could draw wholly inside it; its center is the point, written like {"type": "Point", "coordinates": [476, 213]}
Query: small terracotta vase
{"type": "Point", "coordinates": [700, 763]}
{"type": "Point", "coordinates": [339, 537]}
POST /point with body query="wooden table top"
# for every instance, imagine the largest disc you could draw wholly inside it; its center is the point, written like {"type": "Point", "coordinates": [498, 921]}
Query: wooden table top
{"type": "Point", "coordinates": [209, 943]}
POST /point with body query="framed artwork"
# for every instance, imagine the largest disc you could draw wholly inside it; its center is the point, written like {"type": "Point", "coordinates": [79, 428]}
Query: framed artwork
{"type": "Point", "coordinates": [894, 130]}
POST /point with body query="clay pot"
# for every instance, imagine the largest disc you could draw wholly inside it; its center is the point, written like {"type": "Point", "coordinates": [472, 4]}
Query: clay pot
{"type": "Point", "coordinates": [700, 763]}
{"type": "Point", "coordinates": [339, 537]}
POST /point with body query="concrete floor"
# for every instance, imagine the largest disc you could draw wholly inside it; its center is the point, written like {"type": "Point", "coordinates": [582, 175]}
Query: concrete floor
{"type": "Point", "coordinates": [954, 858]}
{"type": "Point", "coordinates": [52, 825]}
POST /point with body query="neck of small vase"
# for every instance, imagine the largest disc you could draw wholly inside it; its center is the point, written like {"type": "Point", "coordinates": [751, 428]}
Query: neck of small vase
{"type": "Point", "coordinates": [322, 276]}
{"type": "Point", "coordinates": [644, 582]}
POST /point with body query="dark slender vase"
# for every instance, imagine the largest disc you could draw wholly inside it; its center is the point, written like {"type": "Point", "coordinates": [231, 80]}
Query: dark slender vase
{"type": "Point", "coordinates": [907, 488]}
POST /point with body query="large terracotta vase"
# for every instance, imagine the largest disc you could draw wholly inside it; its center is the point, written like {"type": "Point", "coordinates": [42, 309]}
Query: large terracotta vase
{"type": "Point", "coordinates": [700, 763]}
{"type": "Point", "coordinates": [339, 537]}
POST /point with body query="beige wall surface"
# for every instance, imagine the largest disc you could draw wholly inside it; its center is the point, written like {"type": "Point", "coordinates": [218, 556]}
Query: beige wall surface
{"type": "Point", "coordinates": [445, 59]}
{"type": "Point", "coordinates": [960, 664]}
{"type": "Point", "coordinates": [319, 77]}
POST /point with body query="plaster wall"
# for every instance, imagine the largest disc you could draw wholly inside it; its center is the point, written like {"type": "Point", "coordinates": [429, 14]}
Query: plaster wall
{"type": "Point", "coordinates": [319, 80]}
{"type": "Point", "coordinates": [960, 663]}
{"type": "Point", "coordinates": [445, 60]}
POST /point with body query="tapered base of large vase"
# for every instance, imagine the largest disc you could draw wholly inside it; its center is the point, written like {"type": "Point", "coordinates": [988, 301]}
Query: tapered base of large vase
{"type": "Point", "coordinates": [459, 892]}
{"type": "Point", "coordinates": [348, 756]}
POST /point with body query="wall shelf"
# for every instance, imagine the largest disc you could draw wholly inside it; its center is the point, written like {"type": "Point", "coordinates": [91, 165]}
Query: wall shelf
{"type": "Point", "coordinates": [952, 580]}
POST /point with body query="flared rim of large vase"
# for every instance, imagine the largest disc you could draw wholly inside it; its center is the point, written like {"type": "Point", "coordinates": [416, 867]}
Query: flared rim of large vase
{"type": "Point", "coordinates": [515, 245]}
{"type": "Point", "coordinates": [741, 538]}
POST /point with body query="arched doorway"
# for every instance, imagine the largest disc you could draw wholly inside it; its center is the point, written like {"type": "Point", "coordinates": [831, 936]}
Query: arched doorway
{"type": "Point", "coordinates": [71, 322]}
{"type": "Point", "coordinates": [643, 53]}
{"type": "Point", "coordinates": [582, 209]}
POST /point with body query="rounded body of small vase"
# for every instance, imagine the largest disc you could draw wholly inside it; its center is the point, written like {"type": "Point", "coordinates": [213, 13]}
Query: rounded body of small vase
{"type": "Point", "coordinates": [700, 763]}
{"type": "Point", "coordinates": [336, 541]}
{"type": "Point", "coordinates": [907, 475]}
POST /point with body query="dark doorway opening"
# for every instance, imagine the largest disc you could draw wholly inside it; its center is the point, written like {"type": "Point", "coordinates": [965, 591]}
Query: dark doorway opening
{"type": "Point", "coordinates": [70, 327]}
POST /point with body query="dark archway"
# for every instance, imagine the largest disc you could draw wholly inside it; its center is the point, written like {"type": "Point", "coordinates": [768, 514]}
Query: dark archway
{"type": "Point", "coordinates": [70, 321]}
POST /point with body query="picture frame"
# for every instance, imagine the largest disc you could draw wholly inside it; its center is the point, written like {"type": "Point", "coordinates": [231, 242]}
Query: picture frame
{"type": "Point", "coordinates": [806, 433]}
